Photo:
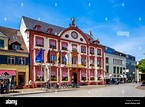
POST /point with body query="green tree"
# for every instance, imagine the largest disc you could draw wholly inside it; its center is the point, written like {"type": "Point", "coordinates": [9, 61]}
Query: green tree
{"type": "Point", "coordinates": [141, 65]}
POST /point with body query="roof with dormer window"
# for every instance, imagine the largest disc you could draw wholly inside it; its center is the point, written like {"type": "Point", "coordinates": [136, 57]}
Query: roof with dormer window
{"type": "Point", "coordinates": [10, 33]}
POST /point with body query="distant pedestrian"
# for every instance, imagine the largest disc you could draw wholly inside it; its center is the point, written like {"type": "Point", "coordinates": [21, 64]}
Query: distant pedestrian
{"type": "Point", "coordinates": [2, 87]}
{"type": "Point", "coordinates": [6, 85]}
{"type": "Point", "coordinates": [13, 83]}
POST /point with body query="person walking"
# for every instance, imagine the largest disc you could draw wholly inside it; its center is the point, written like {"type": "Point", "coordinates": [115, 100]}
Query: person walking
{"type": "Point", "coordinates": [2, 87]}
{"type": "Point", "coordinates": [6, 86]}
{"type": "Point", "coordinates": [13, 83]}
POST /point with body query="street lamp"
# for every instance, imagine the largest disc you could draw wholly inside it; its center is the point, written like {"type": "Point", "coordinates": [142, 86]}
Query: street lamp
{"type": "Point", "coordinates": [110, 77]}
{"type": "Point", "coordinates": [105, 77]}
{"type": "Point", "coordinates": [50, 75]}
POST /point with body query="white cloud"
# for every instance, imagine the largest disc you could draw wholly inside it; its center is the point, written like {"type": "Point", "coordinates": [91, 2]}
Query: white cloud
{"type": "Point", "coordinates": [134, 45]}
{"type": "Point", "coordinates": [107, 34]}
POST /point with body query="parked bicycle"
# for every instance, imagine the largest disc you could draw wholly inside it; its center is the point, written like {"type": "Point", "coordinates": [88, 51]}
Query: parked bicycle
{"type": "Point", "coordinates": [66, 85]}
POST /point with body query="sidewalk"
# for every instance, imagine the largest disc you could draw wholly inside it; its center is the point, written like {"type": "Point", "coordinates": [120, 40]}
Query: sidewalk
{"type": "Point", "coordinates": [18, 92]}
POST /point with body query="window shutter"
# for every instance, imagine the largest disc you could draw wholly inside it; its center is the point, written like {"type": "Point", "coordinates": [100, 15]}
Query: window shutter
{"type": "Point", "coordinates": [27, 60]}
{"type": "Point", "coordinates": [3, 59]}
{"type": "Point", "coordinates": [16, 60]}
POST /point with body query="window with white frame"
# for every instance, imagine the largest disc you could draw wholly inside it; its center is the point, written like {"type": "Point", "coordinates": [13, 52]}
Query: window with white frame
{"type": "Point", "coordinates": [74, 47]}
{"type": "Point", "coordinates": [22, 60]}
{"type": "Point", "coordinates": [74, 60]}
{"type": "Point", "coordinates": [16, 47]}
{"type": "Point", "coordinates": [52, 59]}
{"type": "Point", "coordinates": [11, 60]}
{"type": "Point", "coordinates": [2, 43]}
{"type": "Point", "coordinates": [53, 44]}
{"type": "Point", "coordinates": [83, 61]}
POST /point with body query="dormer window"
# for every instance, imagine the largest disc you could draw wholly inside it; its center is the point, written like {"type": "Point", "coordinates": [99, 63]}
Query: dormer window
{"type": "Point", "coordinates": [49, 30]}
{"type": "Point", "coordinates": [16, 47]}
{"type": "Point", "coordinates": [37, 27]}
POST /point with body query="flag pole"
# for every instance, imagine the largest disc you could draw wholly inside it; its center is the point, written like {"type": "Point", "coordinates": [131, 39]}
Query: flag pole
{"type": "Point", "coordinates": [41, 74]}
{"type": "Point", "coordinates": [39, 60]}
{"type": "Point", "coordinates": [50, 75]}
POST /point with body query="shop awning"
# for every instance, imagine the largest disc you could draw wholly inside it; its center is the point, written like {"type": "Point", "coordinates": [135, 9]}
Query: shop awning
{"type": "Point", "coordinates": [10, 72]}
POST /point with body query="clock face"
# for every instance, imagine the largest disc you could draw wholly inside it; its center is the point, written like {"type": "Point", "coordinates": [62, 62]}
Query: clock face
{"type": "Point", "coordinates": [74, 35]}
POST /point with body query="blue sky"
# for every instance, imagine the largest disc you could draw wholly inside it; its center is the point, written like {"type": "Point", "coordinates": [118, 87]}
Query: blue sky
{"type": "Point", "coordinates": [105, 18]}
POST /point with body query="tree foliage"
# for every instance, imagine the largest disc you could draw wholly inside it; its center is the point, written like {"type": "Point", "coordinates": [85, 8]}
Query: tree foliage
{"type": "Point", "coordinates": [141, 65]}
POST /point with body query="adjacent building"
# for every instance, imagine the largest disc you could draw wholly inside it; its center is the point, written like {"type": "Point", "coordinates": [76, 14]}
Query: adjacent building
{"type": "Point", "coordinates": [14, 57]}
{"type": "Point", "coordinates": [69, 54]}
{"type": "Point", "coordinates": [119, 65]}
{"type": "Point", "coordinates": [115, 65]}
{"type": "Point", "coordinates": [130, 66]}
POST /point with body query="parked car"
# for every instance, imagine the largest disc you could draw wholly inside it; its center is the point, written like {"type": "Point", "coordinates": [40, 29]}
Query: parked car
{"type": "Point", "coordinates": [143, 84]}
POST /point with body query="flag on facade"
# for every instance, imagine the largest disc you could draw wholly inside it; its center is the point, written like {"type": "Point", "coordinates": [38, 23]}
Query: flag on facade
{"type": "Point", "coordinates": [47, 56]}
{"type": "Point", "coordinates": [58, 56]}
{"type": "Point", "coordinates": [39, 56]}
{"type": "Point", "coordinates": [66, 56]}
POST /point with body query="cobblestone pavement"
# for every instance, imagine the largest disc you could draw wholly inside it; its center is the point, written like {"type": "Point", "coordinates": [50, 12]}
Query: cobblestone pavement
{"type": "Point", "coordinates": [121, 90]}
{"type": "Point", "coordinates": [18, 92]}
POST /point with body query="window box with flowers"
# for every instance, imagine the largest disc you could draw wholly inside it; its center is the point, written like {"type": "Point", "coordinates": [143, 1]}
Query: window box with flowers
{"type": "Point", "coordinates": [53, 46]}
{"type": "Point", "coordinates": [83, 51]}
{"type": "Point", "coordinates": [84, 64]}
{"type": "Point", "coordinates": [39, 45]}
{"type": "Point", "coordinates": [98, 53]}
{"type": "Point", "coordinates": [99, 78]}
{"type": "Point", "coordinates": [92, 78]}
{"type": "Point", "coordinates": [64, 48]}
{"type": "Point", "coordinates": [64, 78]}
{"type": "Point", "coordinates": [64, 62]}
{"type": "Point", "coordinates": [74, 50]}
{"type": "Point", "coordinates": [92, 53]}
{"type": "Point", "coordinates": [91, 64]}
{"type": "Point", "coordinates": [39, 78]}
{"type": "Point", "coordinates": [53, 78]}
{"type": "Point", "coordinates": [53, 62]}
{"type": "Point", "coordinates": [83, 79]}
{"type": "Point", "coordinates": [99, 65]}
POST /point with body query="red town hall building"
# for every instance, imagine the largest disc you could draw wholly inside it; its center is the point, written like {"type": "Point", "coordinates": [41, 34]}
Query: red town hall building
{"type": "Point", "coordinates": [68, 53]}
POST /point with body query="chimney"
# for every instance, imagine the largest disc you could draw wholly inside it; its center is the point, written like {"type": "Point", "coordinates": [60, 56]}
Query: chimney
{"type": "Point", "coordinates": [49, 30]}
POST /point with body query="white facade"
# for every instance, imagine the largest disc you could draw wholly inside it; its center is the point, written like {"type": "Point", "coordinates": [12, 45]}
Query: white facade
{"type": "Point", "coordinates": [116, 66]}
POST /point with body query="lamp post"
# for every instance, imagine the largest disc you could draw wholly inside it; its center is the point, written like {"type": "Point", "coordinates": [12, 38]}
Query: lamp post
{"type": "Point", "coordinates": [41, 75]}
{"type": "Point", "coordinates": [105, 78]}
{"type": "Point", "coordinates": [110, 77]}
{"type": "Point", "coordinates": [46, 74]}
{"type": "Point", "coordinates": [50, 75]}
